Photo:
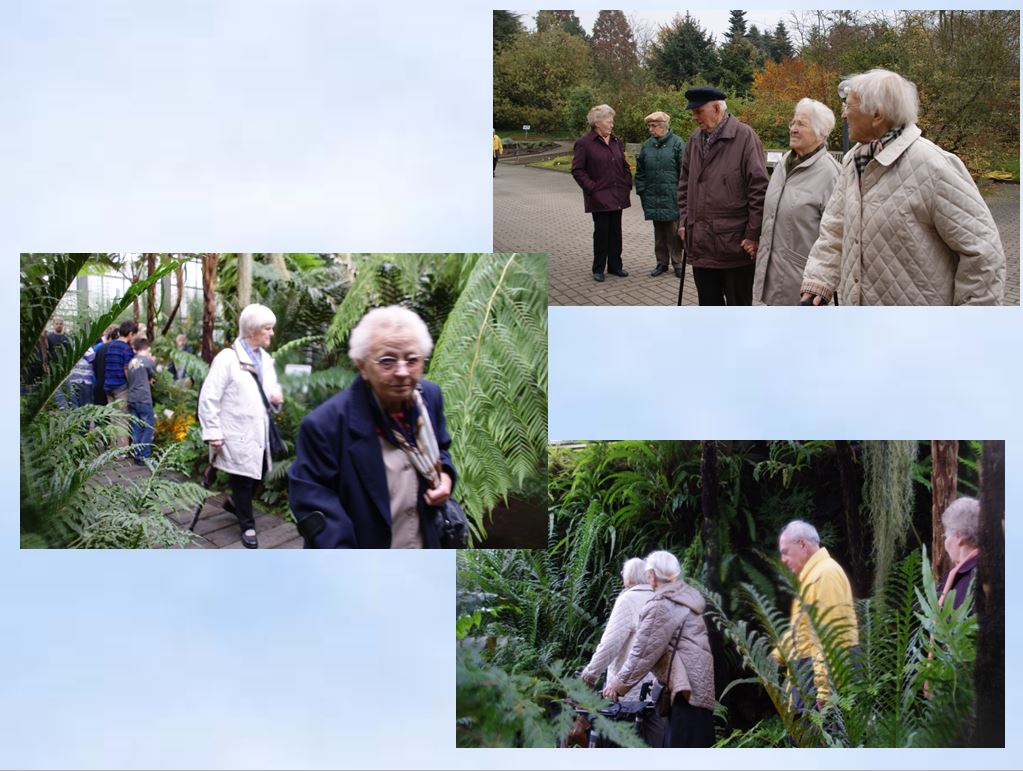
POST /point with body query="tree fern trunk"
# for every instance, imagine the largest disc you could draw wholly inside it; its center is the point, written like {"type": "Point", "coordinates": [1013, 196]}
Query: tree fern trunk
{"type": "Point", "coordinates": [151, 297]}
{"type": "Point", "coordinates": [989, 669]}
{"type": "Point", "coordinates": [709, 504]}
{"type": "Point", "coordinates": [944, 482]}
{"type": "Point", "coordinates": [244, 279]}
{"type": "Point", "coordinates": [209, 304]}
{"type": "Point", "coordinates": [852, 486]}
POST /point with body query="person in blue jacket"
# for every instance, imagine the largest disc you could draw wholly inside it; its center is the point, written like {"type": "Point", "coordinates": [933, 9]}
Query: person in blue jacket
{"type": "Point", "coordinates": [371, 463]}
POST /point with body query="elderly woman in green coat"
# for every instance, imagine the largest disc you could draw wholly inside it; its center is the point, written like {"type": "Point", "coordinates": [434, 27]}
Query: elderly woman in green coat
{"type": "Point", "coordinates": [657, 171]}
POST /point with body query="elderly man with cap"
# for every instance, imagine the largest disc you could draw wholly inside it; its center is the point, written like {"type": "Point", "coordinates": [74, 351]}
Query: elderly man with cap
{"type": "Point", "coordinates": [721, 200]}
{"type": "Point", "coordinates": [906, 224]}
{"type": "Point", "coordinates": [657, 171]}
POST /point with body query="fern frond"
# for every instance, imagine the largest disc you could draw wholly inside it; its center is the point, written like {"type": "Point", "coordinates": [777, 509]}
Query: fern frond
{"type": "Point", "coordinates": [491, 361]}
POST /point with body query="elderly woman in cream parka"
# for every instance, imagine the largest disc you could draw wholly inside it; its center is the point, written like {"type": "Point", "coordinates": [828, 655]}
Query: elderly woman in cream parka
{"type": "Point", "coordinates": [671, 642]}
{"type": "Point", "coordinates": [621, 627]}
{"type": "Point", "coordinates": [906, 224]}
{"type": "Point", "coordinates": [800, 187]}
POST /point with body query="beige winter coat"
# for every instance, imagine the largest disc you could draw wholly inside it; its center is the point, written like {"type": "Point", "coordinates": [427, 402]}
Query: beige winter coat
{"type": "Point", "coordinates": [792, 219]}
{"type": "Point", "coordinates": [231, 409]}
{"type": "Point", "coordinates": [917, 234]}
{"type": "Point", "coordinates": [692, 673]}
{"type": "Point", "coordinates": [616, 642]}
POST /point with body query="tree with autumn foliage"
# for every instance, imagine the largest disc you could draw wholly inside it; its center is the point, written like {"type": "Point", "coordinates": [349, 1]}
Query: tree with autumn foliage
{"type": "Point", "coordinates": [614, 48]}
{"type": "Point", "coordinates": [778, 87]}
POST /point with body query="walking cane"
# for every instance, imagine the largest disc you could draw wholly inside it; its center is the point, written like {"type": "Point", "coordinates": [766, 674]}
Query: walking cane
{"type": "Point", "coordinates": [682, 280]}
{"type": "Point", "coordinates": [207, 477]}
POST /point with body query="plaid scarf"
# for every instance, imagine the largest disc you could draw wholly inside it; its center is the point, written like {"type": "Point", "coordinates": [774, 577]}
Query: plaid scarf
{"type": "Point", "coordinates": [419, 445]}
{"type": "Point", "coordinates": [864, 154]}
{"type": "Point", "coordinates": [713, 136]}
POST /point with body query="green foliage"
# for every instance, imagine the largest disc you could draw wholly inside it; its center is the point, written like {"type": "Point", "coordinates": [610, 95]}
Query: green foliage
{"type": "Point", "coordinates": [577, 105]}
{"type": "Point", "coordinates": [65, 504]}
{"type": "Point", "coordinates": [533, 75]}
{"type": "Point", "coordinates": [878, 696]}
{"type": "Point", "coordinates": [506, 26]}
{"type": "Point", "coordinates": [684, 52]}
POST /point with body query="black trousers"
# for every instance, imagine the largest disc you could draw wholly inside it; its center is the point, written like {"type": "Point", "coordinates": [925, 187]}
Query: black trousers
{"type": "Point", "coordinates": [725, 286]}
{"type": "Point", "coordinates": [242, 490]}
{"type": "Point", "coordinates": [607, 241]}
{"type": "Point", "coordinates": [689, 726]}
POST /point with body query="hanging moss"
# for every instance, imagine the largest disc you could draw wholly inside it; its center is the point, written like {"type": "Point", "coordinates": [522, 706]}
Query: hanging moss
{"type": "Point", "coordinates": [888, 497]}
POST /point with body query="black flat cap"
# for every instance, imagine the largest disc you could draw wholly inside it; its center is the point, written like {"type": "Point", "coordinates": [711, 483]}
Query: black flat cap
{"type": "Point", "coordinates": [700, 96]}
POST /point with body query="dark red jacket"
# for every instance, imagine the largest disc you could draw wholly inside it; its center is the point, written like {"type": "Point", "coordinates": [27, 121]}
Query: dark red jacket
{"type": "Point", "coordinates": [721, 196]}
{"type": "Point", "coordinates": [602, 173]}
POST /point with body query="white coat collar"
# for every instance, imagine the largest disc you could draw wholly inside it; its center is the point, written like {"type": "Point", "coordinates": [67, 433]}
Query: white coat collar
{"type": "Point", "coordinates": [243, 355]}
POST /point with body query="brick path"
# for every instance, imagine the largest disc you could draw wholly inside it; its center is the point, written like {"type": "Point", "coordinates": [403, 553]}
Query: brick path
{"type": "Point", "coordinates": [541, 210]}
{"type": "Point", "coordinates": [217, 528]}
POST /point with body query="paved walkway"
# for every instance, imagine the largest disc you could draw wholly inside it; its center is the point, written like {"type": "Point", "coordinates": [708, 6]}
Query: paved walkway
{"type": "Point", "coordinates": [541, 210]}
{"type": "Point", "coordinates": [217, 528]}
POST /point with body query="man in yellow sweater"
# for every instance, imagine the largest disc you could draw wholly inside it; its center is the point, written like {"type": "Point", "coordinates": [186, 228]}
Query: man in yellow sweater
{"type": "Point", "coordinates": [824, 586]}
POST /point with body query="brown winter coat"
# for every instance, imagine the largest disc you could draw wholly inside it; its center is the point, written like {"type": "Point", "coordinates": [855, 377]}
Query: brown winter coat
{"type": "Point", "coordinates": [692, 673]}
{"type": "Point", "coordinates": [721, 196]}
{"type": "Point", "coordinates": [602, 172]}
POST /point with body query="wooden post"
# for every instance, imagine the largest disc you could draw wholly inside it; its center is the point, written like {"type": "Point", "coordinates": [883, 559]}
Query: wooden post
{"type": "Point", "coordinates": [989, 669]}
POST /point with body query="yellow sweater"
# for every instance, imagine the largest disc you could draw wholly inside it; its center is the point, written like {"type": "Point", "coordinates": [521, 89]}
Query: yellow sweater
{"type": "Point", "coordinates": [498, 146]}
{"type": "Point", "coordinates": [823, 585]}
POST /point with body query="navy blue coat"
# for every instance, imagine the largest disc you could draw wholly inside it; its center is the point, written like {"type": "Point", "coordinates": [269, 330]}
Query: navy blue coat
{"type": "Point", "coordinates": [339, 470]}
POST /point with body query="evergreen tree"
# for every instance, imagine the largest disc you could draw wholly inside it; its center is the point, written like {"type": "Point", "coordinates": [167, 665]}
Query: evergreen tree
{"type": "Point", "coordinates": [682, 52]}
{"type": "Point", "coordinates": [506, 26]}
{"type": "Point", "coordinates": [736, 25]}
{"type": "Point", "coordinates": [781, 45]}
{"type": "Point", "coordinates": [739, 59]}
{"type": "Point", "coordinates": [762, 41]}
{"type": "Point", "coordinates": [614, 48]}
{"type": "Point", "coordinates": [565, 20]}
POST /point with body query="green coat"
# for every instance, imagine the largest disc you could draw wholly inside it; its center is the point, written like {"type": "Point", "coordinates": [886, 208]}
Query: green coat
{"type": "Point", "coordinates": [657, 171]}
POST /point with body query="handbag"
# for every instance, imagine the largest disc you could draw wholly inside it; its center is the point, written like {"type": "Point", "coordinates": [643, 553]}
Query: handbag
{"type": "Point", "coordinates": [277, 447]}
{"type": "Point", "coordinates": [452, 525]}
{"type": "Point", "coordinates": [663, 698]}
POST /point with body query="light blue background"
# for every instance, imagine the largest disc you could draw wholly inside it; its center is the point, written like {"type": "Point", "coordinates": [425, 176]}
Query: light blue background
{"type": "Point", "coordinates": [328, 126]}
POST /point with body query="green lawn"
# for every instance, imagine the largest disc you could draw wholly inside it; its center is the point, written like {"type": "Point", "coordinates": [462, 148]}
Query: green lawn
{"type": "Point", "coordinates": [564, 163]}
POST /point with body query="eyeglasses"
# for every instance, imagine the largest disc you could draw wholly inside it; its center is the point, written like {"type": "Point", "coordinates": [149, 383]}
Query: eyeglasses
{"type": "Point", "coordinates": [390, 363]}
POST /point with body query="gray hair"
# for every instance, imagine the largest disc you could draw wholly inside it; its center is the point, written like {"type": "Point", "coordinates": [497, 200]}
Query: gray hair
{"type": "Point", "coordinates": [391, 318]}
{"type": "Point", "coordinates": [799, 530]}
{"type": "Point", "coordinates": [962, 516]}
{"type": "Point", "coordinates": [822, 119]}
{"type": "Point", "coordinates": [254, 317]}
{"type": "Point", "coordinates": [600, 112]}
{"type": "Point", "coordinates": [664, 564]}
{"type": "Point", "coordinates": [723, 103]}
{"type": "Point", "coordinates": [634, 570]}
{"type": "Point", "coordinates": [888, 93]}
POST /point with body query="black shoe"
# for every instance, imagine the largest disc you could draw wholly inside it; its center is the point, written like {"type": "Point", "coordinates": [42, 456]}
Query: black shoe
{"type": "Point", "coordinates": [659, 270]}
{"type": "Point", "coordinates": [598, 276]}
{"type": "Point", "coordinates": [249, 541]}
{"type": "Point", "coordinates": [619, 273]}
{"type": "Point", "coordinates": [678, 272]}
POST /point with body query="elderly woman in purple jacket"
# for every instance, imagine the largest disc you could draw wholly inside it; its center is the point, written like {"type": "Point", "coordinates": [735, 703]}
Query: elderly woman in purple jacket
{"type": "Point", "coordinates": [600, 169]}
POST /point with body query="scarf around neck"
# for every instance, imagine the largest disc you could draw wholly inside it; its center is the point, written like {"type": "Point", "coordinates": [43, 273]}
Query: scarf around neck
{"type": "Point", "coordinates": [411, 431]}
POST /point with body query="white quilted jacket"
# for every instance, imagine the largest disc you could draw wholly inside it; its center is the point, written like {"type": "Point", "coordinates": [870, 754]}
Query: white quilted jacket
{"type": "Point", "coordinates": [918, 233]}
{"type": "Point", "coordinates": [618, 636]}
